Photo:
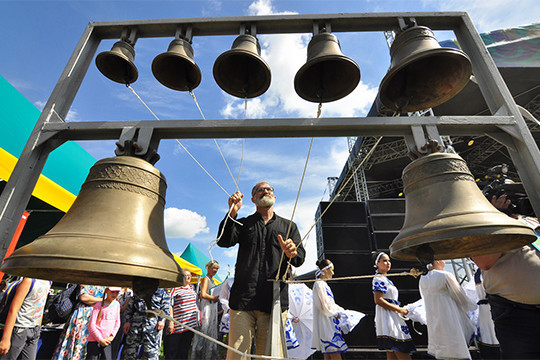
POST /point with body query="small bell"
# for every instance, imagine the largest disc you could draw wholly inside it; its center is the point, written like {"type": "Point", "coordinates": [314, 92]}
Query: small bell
{"type": "Point", "coordinates": [175, 68]}
{"type": "Point", "coordinates": [117, 64]}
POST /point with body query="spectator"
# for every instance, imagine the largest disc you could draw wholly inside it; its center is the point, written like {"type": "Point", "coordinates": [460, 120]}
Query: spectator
{"type": "Point", "coordinates": [123, 299]}
{"type": "Point", "coordinates": [485, 330]}
{"type": "Point", "coordinates": [393, 334]}
{"type": "Point", "coordinates": [203, 348]}
{"type": "Point", "coordinates": [177, 343]}
{"type": "Point", "coordinates": [20, 336]}
{"type": "Point", "coordinates": [142, 329]}
{"type": "Point", "coordinates": [103, 326]}
{"type": "Point", "coordinates": [74, 337]}
{"type": "Point", "coordinates": [262, 238]}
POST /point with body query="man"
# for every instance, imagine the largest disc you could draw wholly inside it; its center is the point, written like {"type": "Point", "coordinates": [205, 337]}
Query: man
{"type": "Point", "coordinates": [143, 329]}
{"type": "Point", "coordinates": [512, 284]}
{"type": "Point", "coordinates": [262, 238]}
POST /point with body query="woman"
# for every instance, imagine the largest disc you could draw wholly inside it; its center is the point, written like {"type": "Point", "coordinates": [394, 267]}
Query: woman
{"type": "Point", "coordinates": [449, 327]}
{"type": "Point", "coordinates": [184, 309]}
{"type": "Point", "coordinates": [74, 337]}
{"type": "Point", "coordinates": [393, 334]}
{"type": "Point", "coordinates": [327, 337]}
{"type": "Point", "coordinates": [203, 348]}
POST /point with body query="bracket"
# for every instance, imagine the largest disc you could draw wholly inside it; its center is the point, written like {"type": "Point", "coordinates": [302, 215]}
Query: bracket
{"type": "Point", "coordinates": [138, 142]}
{"type": "Point", "coordinates": [424, 139]}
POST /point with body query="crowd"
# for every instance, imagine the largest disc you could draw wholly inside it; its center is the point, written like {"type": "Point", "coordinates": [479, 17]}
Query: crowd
{"type": "Point", "coordinates": [112, 322]}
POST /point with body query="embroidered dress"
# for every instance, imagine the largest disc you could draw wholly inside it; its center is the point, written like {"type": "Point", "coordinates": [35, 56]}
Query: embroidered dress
{"type": "Point", "coordinates": [74, 338]}
{"type": "Point", "coordinates": [203, 348]}
{"type": "Point", "coordinates": [392, 332]}
{"type": "Point", "coordinates": [327, 337]}
{"type": "Point", "coordinates": [449, 327]}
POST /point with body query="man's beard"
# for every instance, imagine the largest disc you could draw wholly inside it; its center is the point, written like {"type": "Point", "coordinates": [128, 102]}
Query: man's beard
{"type": "Point", "coordinates": [265, 201]}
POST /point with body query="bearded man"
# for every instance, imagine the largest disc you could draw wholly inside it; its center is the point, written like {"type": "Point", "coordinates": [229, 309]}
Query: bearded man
{"type": "Point", "coordinates": [260, 237]}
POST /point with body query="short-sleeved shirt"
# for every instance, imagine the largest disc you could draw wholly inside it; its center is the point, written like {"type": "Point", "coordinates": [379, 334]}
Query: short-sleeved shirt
{"type": "Point", "coordinates": [185, 309]}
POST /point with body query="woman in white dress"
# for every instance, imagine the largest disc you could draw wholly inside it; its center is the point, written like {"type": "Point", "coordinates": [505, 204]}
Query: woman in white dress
{"type": "Point", "coordinates": [393, 334]}
{"type": "Point", "coordinates": [203, 348]}
{"type": "Point", "coordinates": [327, 337]}
{"type": "Point", "coordinates": [448, 325]}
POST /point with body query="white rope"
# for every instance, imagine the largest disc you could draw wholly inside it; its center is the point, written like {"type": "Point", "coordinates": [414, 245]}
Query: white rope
{"type": "Point", "coordinates": [162, 314]}
{"type": "Point", "coordinates": [215, 141]}
{"type": "Point", "coordinates": [178, 141]}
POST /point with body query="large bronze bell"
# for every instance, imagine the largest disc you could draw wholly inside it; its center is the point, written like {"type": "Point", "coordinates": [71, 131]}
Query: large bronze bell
{"type": "Point", "coordinates": [422, 74]}
{"type": "Point", "coordinates": [241, 71]}
{"type": "Point", "coordinates": [175, 68]}
{"type": "Point", "coordinates": [327, 75]}
{"type": "Point", "coordinates": [113, 234]}
{"type": "Point", "coordinates": [446, 210]}
{"type": "Point", "coordinates": [117, 64]}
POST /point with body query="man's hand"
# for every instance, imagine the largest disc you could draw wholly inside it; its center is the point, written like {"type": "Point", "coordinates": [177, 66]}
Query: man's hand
{"type": "Point", "coordinates": [235, 201]}
{"type": "Point", "coordinates": [160, 325]}
{"type": "Point", "coordinates": [288, 247]}
{"type": "Point", "coordinates": [501, 202]}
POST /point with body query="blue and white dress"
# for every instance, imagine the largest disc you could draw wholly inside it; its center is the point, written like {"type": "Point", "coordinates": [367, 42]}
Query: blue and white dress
{"type": "Point", "coordinates": [392, 332]}
{"type": "Point", "coordinates": [327, 337]}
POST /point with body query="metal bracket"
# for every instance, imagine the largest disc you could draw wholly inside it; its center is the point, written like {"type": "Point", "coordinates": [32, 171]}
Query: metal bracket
{"type": "Point", "coordinates": [138, 142]}
{"type": "Point", "coordinates": [129, 35]}
{"type": "Point", "coordinates": [184, 33]}
{"type": "Point", "coordinates": [423, 140]}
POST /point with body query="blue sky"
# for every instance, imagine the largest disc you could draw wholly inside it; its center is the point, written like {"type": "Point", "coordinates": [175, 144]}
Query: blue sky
{"type": "Point", "coordinates": [38, 38]}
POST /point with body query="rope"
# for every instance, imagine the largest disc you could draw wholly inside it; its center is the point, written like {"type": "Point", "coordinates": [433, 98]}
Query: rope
{"type": "Point", "coordinates": [413, 272]}
{"type": "Point", "coordinates": [162, 314]}
{"type": "Point", "coordinates": [368, 155]}
{"type": "Point", "coordinates": [215, 141]}
{"type": "Point", "coordinates": [178, 141]}
{"type": "Point", "coordinates": [296, 203]}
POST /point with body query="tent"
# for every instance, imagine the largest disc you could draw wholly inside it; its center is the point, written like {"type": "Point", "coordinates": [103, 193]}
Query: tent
{"type": "Point", "coordinates": [197, 257]}
{"type": "Point", "coordinates": [64, 172]}
{"type": "Point", "coordinates": [184, 264]}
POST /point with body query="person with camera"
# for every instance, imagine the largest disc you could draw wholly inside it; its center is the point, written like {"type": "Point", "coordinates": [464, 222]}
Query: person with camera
{"type": "Point", "coordinates": [512, 284]}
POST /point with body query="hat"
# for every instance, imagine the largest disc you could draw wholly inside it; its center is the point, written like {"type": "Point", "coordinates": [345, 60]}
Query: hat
{"type": "Point", "coordinates": [115, 288]}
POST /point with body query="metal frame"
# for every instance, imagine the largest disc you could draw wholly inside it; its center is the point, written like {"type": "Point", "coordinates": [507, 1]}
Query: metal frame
{"type": "Point", "coordinates": [507, 127]}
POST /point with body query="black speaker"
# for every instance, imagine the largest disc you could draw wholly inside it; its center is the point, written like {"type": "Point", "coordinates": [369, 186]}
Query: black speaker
{"type": "Point", "coordinates": [343, 212]}
{"type": "Point", "coordinates": [383, 239]}
{"type": "Point", "coordinates": [392, 222]}
{"type": "Point", "coordinates": [346, 237]}
{"type": "Point", "coordinates": [386, 206]}
{"type": "Point", "coordinates": [351, 264]}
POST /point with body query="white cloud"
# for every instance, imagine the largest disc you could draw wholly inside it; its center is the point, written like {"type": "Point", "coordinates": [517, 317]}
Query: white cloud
{"type": "Point", "coordinates": [231, 253]}
{"type": "Point", "coordinates": [183, 223]}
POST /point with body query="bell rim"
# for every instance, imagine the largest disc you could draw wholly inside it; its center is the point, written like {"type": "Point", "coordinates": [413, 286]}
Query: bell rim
{"type": "Point", "coordinates": [259, 59]}
{"type": "Point", "coordinates": [303, 68]}
{"type": "Point", "coordinates": [456, 53]}
{"type": "Point", "coordinates": [193, 64]}
{"type": "Point", "coordinates": [135, 71]}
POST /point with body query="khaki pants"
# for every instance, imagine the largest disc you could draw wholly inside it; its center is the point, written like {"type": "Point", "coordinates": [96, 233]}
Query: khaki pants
{"type": "Point", "coordinates": [244, 326]}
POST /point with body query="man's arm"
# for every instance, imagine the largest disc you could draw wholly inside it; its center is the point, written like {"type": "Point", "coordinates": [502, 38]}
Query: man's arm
{"type": "Point", "coordinates": [228, 229]}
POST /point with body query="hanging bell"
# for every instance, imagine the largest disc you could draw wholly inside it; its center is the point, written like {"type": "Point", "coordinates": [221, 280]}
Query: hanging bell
{"type": "Point", "coordinates": [422, 74]}
{"type": "Point", "coordinates": [113, 234]}
{"type": "Point", "coordinates": [327, 75]}
{"type": "Point", "coordinates": [117, 64]}
{"type": "Point", "coordinates": [175, 68]}
{"type": "Point", "coordinates": [241, 71]}
{"type": "Point", "coordinates": [445, 209]}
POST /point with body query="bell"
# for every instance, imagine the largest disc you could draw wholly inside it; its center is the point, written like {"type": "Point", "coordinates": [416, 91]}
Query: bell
{"type": "Point", "coordinates": [445, 209]}
{"type": "Point", "coordinates": [422, 74]}
{"type": "Point", "coordinates": [175, 68]}
{"type": "Point", "coordinates": [327, 75]}
{"type": "Point", "coordinates": [117, 64]}
{"type": "Point", "coordinates": [112, 235]}
{"type": "Point", "coordinates": [241, 71]}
